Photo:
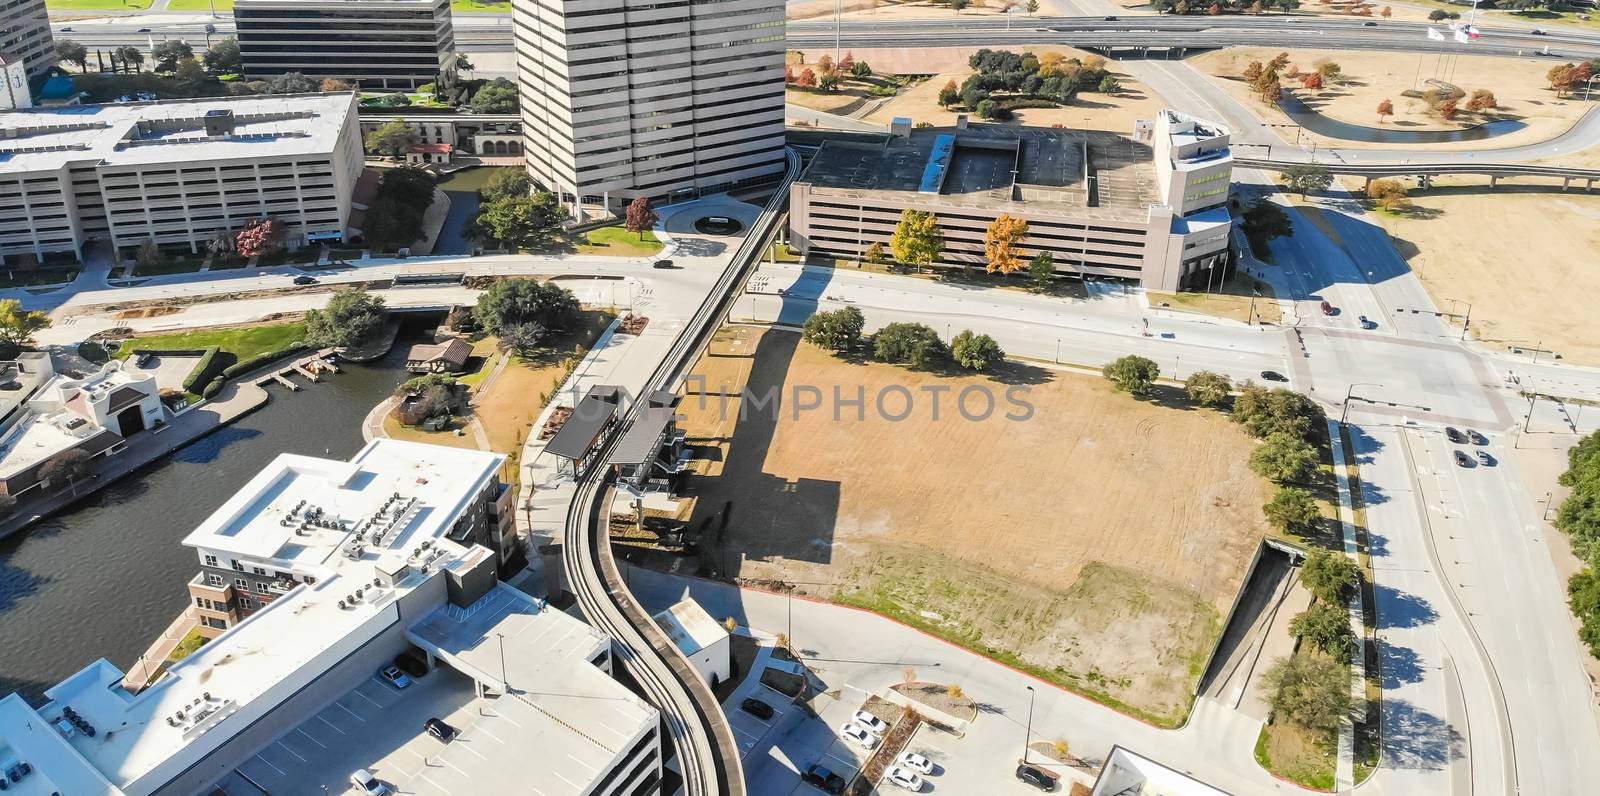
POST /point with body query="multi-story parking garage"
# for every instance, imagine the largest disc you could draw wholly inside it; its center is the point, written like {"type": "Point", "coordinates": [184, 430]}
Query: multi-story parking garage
{"type": "Point", "coordinates": [1149, 209]}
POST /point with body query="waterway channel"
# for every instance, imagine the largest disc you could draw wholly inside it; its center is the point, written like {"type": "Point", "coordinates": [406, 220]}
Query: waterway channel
{"type": "Point", "coordinates": [1314, 121]}
{"type": "Point", "coordinates": [104, 578]}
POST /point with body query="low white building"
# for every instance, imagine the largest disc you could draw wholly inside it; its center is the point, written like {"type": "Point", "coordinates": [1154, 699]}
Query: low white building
{"type": "Point", "coordinates": [701, 639]}
{"type": "Point", "coordinates": [94, 413]}
{"type": "Point", "coordinates": [181, 172]}
{"type": "Point", "coordinates": [1128, 773]}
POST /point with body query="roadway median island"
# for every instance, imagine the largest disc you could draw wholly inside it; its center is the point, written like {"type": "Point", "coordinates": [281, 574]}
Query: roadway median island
{"type": "Point", "coordinates": [1095, 545]}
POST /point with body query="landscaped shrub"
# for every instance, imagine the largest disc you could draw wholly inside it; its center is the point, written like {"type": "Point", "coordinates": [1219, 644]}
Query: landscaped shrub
{"type": "Point", "coordinates": [245, 366]}
{"type": "Point", "coordinates": [208, 368]}
{"type": "Point", "coordinates": [214, 387]}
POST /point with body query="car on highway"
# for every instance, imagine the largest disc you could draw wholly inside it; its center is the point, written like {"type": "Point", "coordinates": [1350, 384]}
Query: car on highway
{"type": "Point", "coordinates": [1036, 777]}
{"type": "Point", "coordinates": [1485, 459]}
{"type": "Point", "coordinates": [1535, 31]}
{"type": "Point", "coordinates": [66, 29]}
{"type": "Point", "coordinates": [143, 30]}
{"type": "Point", "coordinates": [438, 729]}
{"type": "Point", "coordinates": [661, 264]}
{"type": "Point", "coordinates": [824, 780]}
{"type": "Point", "coordinates": [1327, 309]}
{"type": "Point", "coordinates": [393, 677]}
{"type": "Point", "coordinates": [904, 778]}
{"type": "Point", "coordinates": [1477, 439]}
{"type": "Point", "coordinates": [1369, 24]}
{"type": "Point", "coordinates": [1463, 460]}
{"type": "Point", "coordinates": [873, 724]}
{"type": "Point", "coordinates": [1454, 434]}
{"type": "Point", "coordinates": [368, 785]}
{"type": "Point", "coordinates": [916, 762]}
{"type": "Point", "coordinates": [305, 280]}
{"type": "Point", "coordinates": [1111, 19]}
{"type": "Point", "coordinates": [757, 708]}
{"type": "Point", "coordinates": [858, 735]}
{"type": "Point", "coordinates": [1273, 375]}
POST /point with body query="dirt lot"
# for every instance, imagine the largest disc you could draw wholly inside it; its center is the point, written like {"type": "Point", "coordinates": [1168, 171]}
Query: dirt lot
{"type": "Point", "coordinates": [1090, 111]}
{"type": "Point", "coordinates": [1096, 544]}
{"type": "Point", "coordinates": [1518, 84]}
{"type": "Point", "coordinates": [1535, 285]}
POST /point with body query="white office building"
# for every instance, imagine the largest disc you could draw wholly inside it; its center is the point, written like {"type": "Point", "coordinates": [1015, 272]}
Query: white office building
{"type": "Point", "coordinates": [363, 563]}
{"type": "Point", "coordinates": [629, 98]}
{"type": "Point", "coordinates": [180, 172]}
{"type": "Point", "coordinates": [25, 34]}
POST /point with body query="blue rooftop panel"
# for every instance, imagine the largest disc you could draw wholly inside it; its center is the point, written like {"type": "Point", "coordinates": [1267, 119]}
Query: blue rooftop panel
{"type": "Point", "coordinates": [938, 166]}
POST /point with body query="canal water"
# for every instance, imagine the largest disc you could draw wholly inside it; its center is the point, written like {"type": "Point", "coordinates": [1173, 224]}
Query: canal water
{"type": "Point", "coordinates": [1314, 121]}
{"type": "Point", "coordinates": [105, 578]}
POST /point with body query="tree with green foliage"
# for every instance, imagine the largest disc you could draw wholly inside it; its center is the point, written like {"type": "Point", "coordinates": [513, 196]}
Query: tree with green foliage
{"type": "Point", "coordinates": [1326, 627]}
{"type": "Point", "coordinates": [861, 69]}
{"type": "Point", "coordinates": [1583, 597]}
{"type": "Point", "coordinates": [464, 64]}
{"type": "Point", "coordinates": [169, 52]}
{"type": "Point", "coordinates": [395, 99]}
{"type": "Point", "coordinates": [1291, 510]}
{"type": "Point", "coordinates": [190, 71]}
{"type": "Point", "coordinates": [524, 338]}
{"type": "Point", "coordinates": [223, 57]}
{"type": "Point", "coordinates": [525, 223]}
{"type": "Point", "coordinates": [71, 465]}
{"type": "Point", "coordinates": [1264, 412]}
{"type": "Point", "coordinates": [1109, 85]}
{"type": "Point", "coordinates": [1304, 178]}
{"type": "Point", "coordinates": [130, 57]}
{"type": "Point", "coordinates": [17, 325]}
{"type": "Point", "coordinates": [506, 182]}
{"type": "Point", "coordinates": [975, 352]}
{"type": "Point", "coordinates": [837, 330]}
{"type": "Point", "coordinates": [1312, 691]}
{"type": "Point", "coordinates": [395, 216]}
{"type": "Point", "coordinates": [297, 83]}
{"type": "Point", "coordinates": [1283, 458]}
{"type": "Point", "coordinates": [393, 138]}
{"type": "Point", "coordinates": [917, 239]}
{"type": "Point", "coordinates": [1032, 6]}
{"type": "Point", "coordinates": [1207, 388]}
{"type": "Point", "coordinates": [509, 302]}
{"type": "Point", "coordinates": [875, 254]}
{"type": "Point", "coordinates": [1262, 222]}
{"type": "Point", "coordinates": [1132, 374]}
{"type": "Point", "coordinates": [1042, 272]}
{"type": "Point", "coordinates": [352, 315]}
{"type": "Point", "coordinates": [1330, 575]}
{"type": "Point", "coordinates": [497, 96]}
{"type": "Point", "coordinates": [959, 5]}
{"type": "Point", "coordinates": [915, 344]}
{"type": "Point", "coordinates": [73, 53]}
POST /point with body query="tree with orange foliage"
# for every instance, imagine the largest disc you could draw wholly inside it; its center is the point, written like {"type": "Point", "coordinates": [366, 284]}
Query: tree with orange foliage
{"type": "Point", "coordinates": [1385, 109]}
{"type": "Point", "coordinates": [1000, 244]}
{"type": "Point", "coordinates": [788, 74]}
{"type": "Point", "coordinates": [807, 79]}
{"type": "Point", "coordinates": [1385, 12]}
{"type": "Point", "coordinates": [1482, 100]}
{"type": "Point", "coordinates": [847, 63]}
{"type": "Point", "coordinates": [1311, 82]}
{"type": "Point", "coordinates": [824, 64]}
{"type": "Point", "coordinates": [1447, 109]}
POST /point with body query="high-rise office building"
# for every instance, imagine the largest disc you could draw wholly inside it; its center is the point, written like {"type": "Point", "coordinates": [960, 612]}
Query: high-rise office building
{"type": "Point", "coordinates": [25, 34]}
{"type": "Point", "coordinates": [654, 98]}
{"type": "Point", "coordinates": [379, 43]}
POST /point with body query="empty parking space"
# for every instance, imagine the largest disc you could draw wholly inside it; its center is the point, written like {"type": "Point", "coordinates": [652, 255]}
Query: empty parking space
{"type": "Point", "coordinates": [372, 726]}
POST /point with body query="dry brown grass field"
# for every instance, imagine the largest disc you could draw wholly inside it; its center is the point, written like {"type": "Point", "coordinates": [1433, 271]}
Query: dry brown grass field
{"type": "Point", "coordinates": [1096, 543]}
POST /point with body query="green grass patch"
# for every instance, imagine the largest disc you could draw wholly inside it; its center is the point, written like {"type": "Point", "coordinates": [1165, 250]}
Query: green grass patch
{"type": "Point", "coordinates": [243, 343]}
{"type": "Point", "coordinates": [472, 179]}
{"type": "Point", "coordinates": [100, 5]}
{"type": "Point", "coordinates": [200, 5]}
{"type": "Point", "coordinates": [619, 242]}
{"type": "Point", "coordinates": [471, 6]}
{"type": "Point", "coordinates": [187, 265]}
{"type": "Point", "coordinates": [1297, 755]}
{"type": "Point", "coordinates": [187, 646]}
{"type": "Point", "coordinates": [36, 276]}
{"type": "Point", "coordinates": [782, 253]}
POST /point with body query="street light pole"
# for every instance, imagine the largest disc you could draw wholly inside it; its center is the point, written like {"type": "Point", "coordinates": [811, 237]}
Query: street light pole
{"type": "Point", "coordinates": [1028, 738]}
{"type": "Point", "coordinates": [503, 680]}
{"type": "Point", "coordinates": [1346, 411]}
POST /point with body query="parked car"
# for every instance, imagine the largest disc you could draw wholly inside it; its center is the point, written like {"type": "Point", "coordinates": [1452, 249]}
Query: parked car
{"type": "Point", "coordinates": [1327, 309]}
{"type": "Point", "coordinates": [412, 665]}
{"type": "Point", "coordinates": [1463, 460]}
{"type": "Point", "coordinates": [305, 280]}
{"type": "Point", "coordinates": [859, 736]}
{"type": "Point", "coordinates": [1036, 777]}
{"type": "Point", "coordinates": [1477, 439]}
{"type": "Point", "coordinates": [366, 783]}
{"type": "Point", "coordinates": [662, 264]}
{"type": "Point", "coordinates": [904, 778]}
{"type": "Point", "coordinates": [916, 762]}
{"type": "Point", "coordinates": [1273, 375]}
{"type": "Point", "coordinates": [1454, 434]}
{"type": "Point", "coordinates": [392, 676]}
{"type": "Point", "coordinates": [1485, 459]}
{"type": "Point", "coordinates": [438, 729]}
{"type": "Point", "coordinates": [874, 724]}
{"type": "Point", "coordinates": [823, 779]}
{"type": "Point", "coordinates": [757, 708]}
{"type": "Point", "coordinates": [1367, 323]}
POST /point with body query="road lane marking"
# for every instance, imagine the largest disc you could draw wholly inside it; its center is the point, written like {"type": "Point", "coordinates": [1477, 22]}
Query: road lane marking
{"type": "Point", "coordinates": [291, 751]}
{"type": "Point", "coordinates": [331, 724]}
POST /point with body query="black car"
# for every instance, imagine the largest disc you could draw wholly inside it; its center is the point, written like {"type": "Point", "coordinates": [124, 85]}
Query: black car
{"type": "Point", "coordinates": [757, 708]}
{"type": "Point", "coordinates": [1273, 375]}
{"type": "Point", "coordinates": [661, 264]}
{"type": "Point", "coordinates": [1485, 459]}
{"type": "Point", "coordinates": [438, 729]}
{"type": "Point", "coordinates": [305, 280]}
{"type": "Point", "coordinates": [1463, 460]}
{"type": "Point", "coordinates": [1454, 434]}
{"type": "Point", "coordinates": [1036, 777]}
{"type": "Point", "coordinates": [1477, 439]}
{"type": "Point", "coordinates": [823, 779]}
{"type": "Point", "coordinates": [412, 665]}
{"type": "Point", "coordinates": [1369, 24]}
{"type": "Point", "coordinates": [1111, 19]}
{"type": "Point", "coordinates": [143, 30]}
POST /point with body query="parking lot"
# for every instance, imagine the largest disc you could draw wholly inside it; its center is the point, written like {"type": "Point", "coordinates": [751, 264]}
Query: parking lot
{"type": "Point", "coordinates": [373, 726]}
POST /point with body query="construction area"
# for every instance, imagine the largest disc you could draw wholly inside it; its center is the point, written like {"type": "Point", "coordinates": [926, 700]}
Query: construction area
{"type": "Point", "coordinates": [1102, 555]}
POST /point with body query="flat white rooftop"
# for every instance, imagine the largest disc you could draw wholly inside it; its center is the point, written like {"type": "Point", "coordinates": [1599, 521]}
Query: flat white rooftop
{"type": "Point", "coordinates": [563, 720]}
{"type": "Point", "coordinates": [1128, 773]}
{"type": "Point", "coordinates": [37, 436]}
{"type": "Point", "coordinates": [291, 641]}
{"type": "Point", "coordinates": [110, 135]}
{"type": "Point", "coordinates": [690, 627]}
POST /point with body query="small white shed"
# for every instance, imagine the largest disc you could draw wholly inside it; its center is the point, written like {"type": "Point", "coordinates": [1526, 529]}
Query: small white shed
{"type": "Point", "coordinates": [703, 640]}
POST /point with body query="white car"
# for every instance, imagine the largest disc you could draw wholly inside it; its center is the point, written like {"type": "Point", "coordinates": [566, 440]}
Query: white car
{"type": "Point", "coordinates": [916, 762]}
{"type": "Point", "coordinates": [904, 778]}
{"type": "Point", "coordinates": [873, 724]}
{"type": "Point", "coordinates": [859, 736]}
{"type": "Point", "coordinates": [369, 785]}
